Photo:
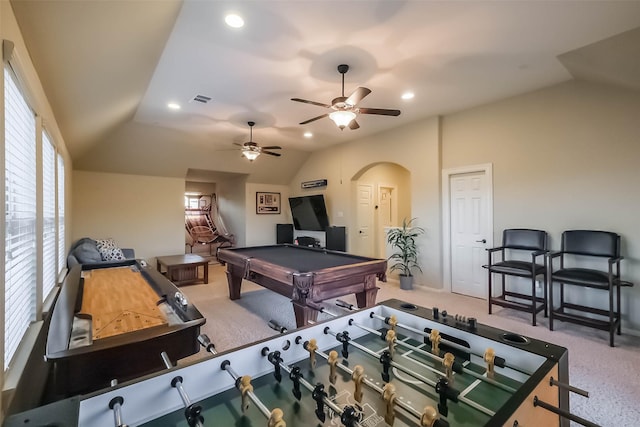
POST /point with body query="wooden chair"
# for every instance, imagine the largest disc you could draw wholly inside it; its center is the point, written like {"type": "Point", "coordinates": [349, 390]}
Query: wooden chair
{"type": "Point", "coordinates": [581, 245]}
{"type": "Point", "coordinates": [514, 241]}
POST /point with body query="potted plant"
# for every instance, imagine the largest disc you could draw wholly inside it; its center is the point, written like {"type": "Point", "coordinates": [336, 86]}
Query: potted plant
{"type": "Point", "coordinates": [403, 240]}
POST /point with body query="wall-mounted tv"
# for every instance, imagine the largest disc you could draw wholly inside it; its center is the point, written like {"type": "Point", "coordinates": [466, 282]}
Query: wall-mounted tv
{"type": "Point", "coordinates": [309, 213]}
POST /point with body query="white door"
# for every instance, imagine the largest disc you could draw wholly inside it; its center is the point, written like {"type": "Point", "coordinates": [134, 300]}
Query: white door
{"type": "Point", "coordinates": [364, 216]}
{"type": "Point", "coordinates": [469, 195]}
{"type": "Point", "coordinates": [385, 218]}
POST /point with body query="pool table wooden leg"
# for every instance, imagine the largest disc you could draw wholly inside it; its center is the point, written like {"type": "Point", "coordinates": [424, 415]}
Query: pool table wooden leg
{"type": "Point", "coordinates": [304, 314]}
{"type": "Point", "coordinates": [234, 280]}
{"type": "Point", "coordinates": [367, 297]}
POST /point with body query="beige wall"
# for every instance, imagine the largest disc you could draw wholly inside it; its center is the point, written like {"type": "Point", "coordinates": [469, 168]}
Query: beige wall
{"type": "Point", "coordinates": [415, 147]}
{"type": "Point", "coordinates": [233, 208]}
{"type": "Point", "coordinates": [565, 157]}
{"type": "Point", "coordinates": [140, 212]}
{"type": "Point", "coordinates": [261, 228]}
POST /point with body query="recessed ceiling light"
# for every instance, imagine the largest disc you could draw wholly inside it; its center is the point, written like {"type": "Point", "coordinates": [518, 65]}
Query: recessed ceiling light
{"type": "Point", "coordinates": [173, 106]}
{"type": "Point", "coordinates": [234, 21]}
{"type": "Point", "coordinates": [408, 95]}
{"type": "Point", "coordinates": [308, 134]}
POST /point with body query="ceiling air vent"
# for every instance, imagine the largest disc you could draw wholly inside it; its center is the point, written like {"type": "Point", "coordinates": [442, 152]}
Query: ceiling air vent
{"type": "Point", "coordinates": [202, 98]}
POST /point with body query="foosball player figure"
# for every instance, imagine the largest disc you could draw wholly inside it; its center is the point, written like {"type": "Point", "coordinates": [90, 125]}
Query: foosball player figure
{"type": "Point", "coordinates": [489, 358]}
{"type": "Point", "coordinates": [358, 377]}
{"type": "Point", "coordinates": [391, 321]}
{"type": "Point", "coordinates": [431, 418]}
{"type": "Point", "coordinates": [319, 395]}
{"type": "Point", "coordinates": [385, 359]}
{"type": "Point", "coordinates": [391, 341]}
{"type": "Point", "coordinates": [344, 338]}
{"type": "Point", "coordinates": [446, 393]}
{"type": "Point", "coordinates": [349, 416]}
{"type": "Point", "coordinates": [311, 347]}
{"type": "Point", "coordinates": [435, 338]}
{"type": "Point", "coordinates": [295, 376]}
{"type": "Point", "coordinates": [447, 361]}
{"type": "Point", "coordinates": [275, 359]}
{"type": "Point", "coordinates": [275, 419]}
{"type": "Point", "coordinates": [332, 360]}
{"type": "Point", "coordinates": [245, 387]}
{"type": "Point", "coordinates": [389, 396]}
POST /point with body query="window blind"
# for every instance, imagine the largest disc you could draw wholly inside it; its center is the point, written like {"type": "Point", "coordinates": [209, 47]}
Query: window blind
{"type": "Point", "coordinates": [20, 217]}
{"type": "Point", "coordinates": [62, 258]}
{"type": "Point", "coordinates": [49, 247]}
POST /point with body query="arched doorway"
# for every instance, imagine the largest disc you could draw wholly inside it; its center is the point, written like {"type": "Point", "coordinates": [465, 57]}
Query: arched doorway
{"type": "Point", "coordinates": [381, 198]}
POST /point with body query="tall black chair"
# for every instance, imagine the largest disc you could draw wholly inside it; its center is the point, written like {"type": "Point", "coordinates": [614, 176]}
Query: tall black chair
{"type": "Point", "coordinates": [517, 240]}
{"type": "Point", "coordinates": [584, 245]}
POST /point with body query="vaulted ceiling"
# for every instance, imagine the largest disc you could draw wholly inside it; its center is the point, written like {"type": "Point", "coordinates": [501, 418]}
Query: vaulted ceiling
{"type": "Point", "coordinates": [109, 69]}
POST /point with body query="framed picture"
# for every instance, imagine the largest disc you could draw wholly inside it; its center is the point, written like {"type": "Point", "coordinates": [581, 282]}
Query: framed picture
{"type": "Point", "coordinates": [267, 203]}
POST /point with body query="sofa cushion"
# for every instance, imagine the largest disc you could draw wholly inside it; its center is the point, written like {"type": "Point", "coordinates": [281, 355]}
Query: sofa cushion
{"type": "Point", "coordinates": [86, 252]}
{"type": "Point", "coordinates": [108, 249]}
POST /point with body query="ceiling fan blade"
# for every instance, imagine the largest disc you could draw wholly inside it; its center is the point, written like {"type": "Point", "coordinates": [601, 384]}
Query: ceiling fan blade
{"type": "Point", "coordinates": [319, 104]}
{"type": "Point", "coordinates": [357, 95]}
{"type": "Point", "coordinates": [353, 125]}
{"type": "Point", "coordinates": [314, 119]}
{"type": "Point", "coordinates": [237, 143]}
{"type": "Point", "coordinates": [271, 153]}
{"type": "Point", "coordinates": [379, 111]}
{"type": "Point", "coordinates": [272, 147]}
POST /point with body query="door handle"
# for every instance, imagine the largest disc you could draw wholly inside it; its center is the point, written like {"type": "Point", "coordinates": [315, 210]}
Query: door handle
{"type": "Point", "coordinates": [481, 241]}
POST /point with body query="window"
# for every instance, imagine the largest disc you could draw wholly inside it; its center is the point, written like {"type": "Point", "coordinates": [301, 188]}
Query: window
{"type": "Point", "coordinates": [20, 216]}
{"type": "Point", "coordinates": [62, 259]}
{"type": "Point", "coordinates": [49, 249]}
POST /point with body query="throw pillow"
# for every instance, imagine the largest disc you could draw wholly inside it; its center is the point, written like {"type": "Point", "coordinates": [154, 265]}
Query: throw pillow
{"type": "Point", "coordinates": [108, 249]}
{"type": "Point", "coordinates": [87, 253]}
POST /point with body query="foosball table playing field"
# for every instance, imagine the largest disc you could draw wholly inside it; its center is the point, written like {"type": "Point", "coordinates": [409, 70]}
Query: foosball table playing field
{"type": "Point", "coordinates": [393, 364]}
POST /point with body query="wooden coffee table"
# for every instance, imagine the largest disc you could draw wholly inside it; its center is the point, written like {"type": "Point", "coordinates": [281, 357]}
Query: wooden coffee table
{"type": "Point", "coordinates": [183, 269]}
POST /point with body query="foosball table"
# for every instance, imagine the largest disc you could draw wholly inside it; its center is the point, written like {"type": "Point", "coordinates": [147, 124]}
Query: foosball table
{"type": "Point", "coordinates": [394, 364]}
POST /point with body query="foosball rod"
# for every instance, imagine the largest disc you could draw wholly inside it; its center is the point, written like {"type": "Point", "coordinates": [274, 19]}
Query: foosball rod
{"type": "Point", "coordinates": [500, 361]}
{"type": "Point", "coordinates": [426, 353]}
{"type": "Point", "coordinates": [177, 384]}
{"type": "Point", "coordinates": [205, 342]}
{"type": "Point", "coordinates": [425, 380]}
{"type": "Point", "coordinates": [563, 413]}
{"type": "Point", "coordinates": [116, 406]}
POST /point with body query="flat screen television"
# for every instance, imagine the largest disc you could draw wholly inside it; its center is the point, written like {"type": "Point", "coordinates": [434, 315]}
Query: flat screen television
{"type": "Point", "coordinates": [309, 213]}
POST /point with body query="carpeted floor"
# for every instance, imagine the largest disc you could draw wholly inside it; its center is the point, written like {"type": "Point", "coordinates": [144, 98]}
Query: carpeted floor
{"type": "Point", "coordinates": [611, 375]}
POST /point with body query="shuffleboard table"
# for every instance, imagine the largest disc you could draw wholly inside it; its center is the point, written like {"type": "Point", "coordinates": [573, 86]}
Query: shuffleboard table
{"type": "Point", "coordinates": [304, 274]}
{"type": "Point", "coordinates": [110, 321]}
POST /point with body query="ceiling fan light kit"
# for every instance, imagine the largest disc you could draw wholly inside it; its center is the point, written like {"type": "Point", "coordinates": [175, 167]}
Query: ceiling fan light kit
{"type": "Point", "coordinates": [252, 151]}
{"type": "Point", "coordinates": [251, 155]}
{"type": "Point", "coordinates": [344, 108]}
{"type": "Point", "coordinates": [342, 118]}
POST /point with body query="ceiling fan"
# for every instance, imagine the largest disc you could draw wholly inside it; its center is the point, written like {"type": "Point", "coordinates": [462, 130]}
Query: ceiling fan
{"type": "Point", "coordinates": [344, 108]}
{"type": "Point", "coordinates": [251, 150]}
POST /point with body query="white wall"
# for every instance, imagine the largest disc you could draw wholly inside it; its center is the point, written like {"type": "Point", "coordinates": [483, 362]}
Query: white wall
{"type": "Point", "coordinates": [140, 212]}
{"type": "Point", "coordinates": [565, 157]}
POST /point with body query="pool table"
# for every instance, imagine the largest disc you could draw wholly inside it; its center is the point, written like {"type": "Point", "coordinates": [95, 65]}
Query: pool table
{"type": "Point", "coordinates": [111, 321]}
{"type": "Point", "coordinates": [306, 275]}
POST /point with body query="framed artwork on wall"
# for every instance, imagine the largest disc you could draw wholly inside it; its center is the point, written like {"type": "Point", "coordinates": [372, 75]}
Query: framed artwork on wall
{"type": "Point", "coordinates": [267, 203]}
